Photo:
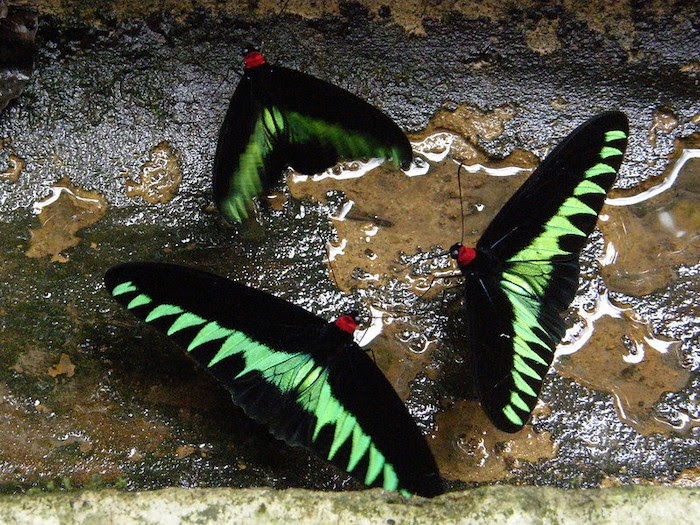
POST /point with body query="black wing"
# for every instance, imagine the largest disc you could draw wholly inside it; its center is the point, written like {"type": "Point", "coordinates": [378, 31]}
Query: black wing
{"type": "Point", "coordinates": [288, 369]}
{"type": "Point", "coordinates": [533, 246]}
{"type": "Point", "coordinates": [279, 117]}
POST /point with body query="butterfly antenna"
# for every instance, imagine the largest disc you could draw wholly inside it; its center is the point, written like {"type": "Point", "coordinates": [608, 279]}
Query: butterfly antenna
{"type": "Point", "coordinates": [461, 201]}
{"type": "Point", "coordinates": [224, 80]}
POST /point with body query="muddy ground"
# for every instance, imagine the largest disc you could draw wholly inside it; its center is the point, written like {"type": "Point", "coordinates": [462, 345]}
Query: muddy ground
{"type": "Point", "coordinates": [107, 146]}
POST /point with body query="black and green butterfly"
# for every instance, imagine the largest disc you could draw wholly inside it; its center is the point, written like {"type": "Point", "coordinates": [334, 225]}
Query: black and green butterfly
{"type": "Point", "coordinates": [305, 379]}
{"type": "Point", "coordinates": [524, 270]}
{"type": "Point", "coordinates": [279, 118]}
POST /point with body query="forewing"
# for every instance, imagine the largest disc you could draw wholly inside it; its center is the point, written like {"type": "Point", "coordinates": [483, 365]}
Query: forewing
{"type": "Point", "coordinates": [331, 124]}
{"type": "Point", "coordinates": [554, 211]}
{"type": "Point", "coordinates": [250, 154]}
{"type": "Point", "coordinates": [537, 239]}
{"type": "Point", "coordinates": [287, 369]}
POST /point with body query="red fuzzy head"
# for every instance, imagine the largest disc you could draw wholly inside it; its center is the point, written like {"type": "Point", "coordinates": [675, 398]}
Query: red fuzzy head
{"type": "Point", "coordinates": [347, 324]}
{"type": "Point", "coordinates": [466, 256]}
{"type": "Point", "coordinates": [254, 59]}
{"type": "Point", "coordinates": [462, 254]}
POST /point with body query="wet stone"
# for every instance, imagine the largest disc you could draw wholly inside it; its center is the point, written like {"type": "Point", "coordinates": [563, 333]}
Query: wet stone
{"type": "Point", "coordinates": [18, 28]}
{"type": "Point", "coordinates": [109, 88]}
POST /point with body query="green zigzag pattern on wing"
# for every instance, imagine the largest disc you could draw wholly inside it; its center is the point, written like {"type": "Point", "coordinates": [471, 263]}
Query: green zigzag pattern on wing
{"type": "Point", "coordinates": [246, 183]}
{"type": "Point", "coordinates": [274, 124]}
{"type": "Point", "coordinates": [348, 144]}
{"type": "Point", "coordinates": [288, 372]}
{"type": "Point", "coordinates": [528, 276]}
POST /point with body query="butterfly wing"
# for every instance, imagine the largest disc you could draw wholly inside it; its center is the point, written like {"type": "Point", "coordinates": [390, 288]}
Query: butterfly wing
{"type": "Point", "coordinates": [288, 369]}
{"type": "Point", "coordinates": [279, 117]}
{"type": "Point", "coordinates": [534, 243]}
{"type": "Point", "coordinates": [249, 156]}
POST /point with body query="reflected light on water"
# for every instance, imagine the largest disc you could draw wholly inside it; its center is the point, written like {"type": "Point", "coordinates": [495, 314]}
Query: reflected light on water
{"type": "Point", "coordinates": [656, 190]}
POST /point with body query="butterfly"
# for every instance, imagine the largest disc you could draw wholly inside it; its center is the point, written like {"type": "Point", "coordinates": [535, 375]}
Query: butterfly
{"type": "Point", "coordinates": [302, 377]}
{"type": "Point", "coordinates": [523, 272]}
{"type": "Point", "coordinates": [279, 117]}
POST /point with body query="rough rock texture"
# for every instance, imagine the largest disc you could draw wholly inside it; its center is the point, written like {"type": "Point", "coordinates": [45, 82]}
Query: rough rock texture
{"type": "Point", "coordinates": [503, 505]}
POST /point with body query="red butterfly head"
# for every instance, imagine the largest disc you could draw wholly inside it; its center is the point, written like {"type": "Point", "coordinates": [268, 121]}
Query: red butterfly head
{"type": "Point", "coordinates": [348, 323]}
{"type": "Point", "coordinates": [464, 255]}
{"type": "Point", "coordinates": [253, 58]}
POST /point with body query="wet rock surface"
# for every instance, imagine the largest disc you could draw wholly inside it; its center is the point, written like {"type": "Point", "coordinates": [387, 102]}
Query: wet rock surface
{"type": "Point", "coordinates": [125, 408]}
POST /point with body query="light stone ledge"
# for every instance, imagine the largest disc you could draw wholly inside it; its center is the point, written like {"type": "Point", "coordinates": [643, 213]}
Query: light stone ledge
{"type": "Point", "coordinates": [485, 505]}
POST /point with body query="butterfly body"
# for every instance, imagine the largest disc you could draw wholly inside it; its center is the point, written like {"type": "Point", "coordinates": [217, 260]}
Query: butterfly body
{"type": "Point", "coordinates": [302, 377]}
{"type": "Point", "coordinates": [279, 117]}
{"type": "Point", "coordinates": [523, 272]}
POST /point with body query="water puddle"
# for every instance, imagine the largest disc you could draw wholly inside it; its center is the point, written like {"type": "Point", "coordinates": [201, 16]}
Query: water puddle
{"type": "Point", "coordinates": [160, 176]}
{"type": "Point", "coordinates": [62, 215]}
{"type": "Point", "coordinates": [469, 448]}
{"type": "Point", "coordinates": [615, 350]}
{"type": "Point", "coordinates": [652, 232]}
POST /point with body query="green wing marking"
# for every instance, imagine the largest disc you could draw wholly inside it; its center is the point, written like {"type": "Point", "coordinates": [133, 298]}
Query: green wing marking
{"type": "Point", "coordinates": [248, 177]}
{"type": "Point", "coordinates": [285, 378]}
{"type": "Point", "coordinates": [276, 138]}
{"type": "Point", "coordinates": [347, 144]}
{"type": "Point", "coordinates": [529, 275]}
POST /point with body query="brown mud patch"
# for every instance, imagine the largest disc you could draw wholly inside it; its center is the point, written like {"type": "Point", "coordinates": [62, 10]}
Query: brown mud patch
{"type": "Point", "coordinates": [159, 177]}
{"type": "Point", "coordinates": [543, 39]}
{"type": "Point", "coordinates": [469, 448]}
{"type": "Point", "coordinates": [63, 214]}
{"type": "Point", "coordinates": [664, 120]}
{"type": "Point", "coordinates": [64, 367]}
{"type": "Point", "coordinates": [14, 163]}
{"type": "Point", "coordinates": [624, 358]}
